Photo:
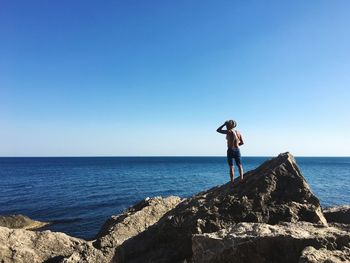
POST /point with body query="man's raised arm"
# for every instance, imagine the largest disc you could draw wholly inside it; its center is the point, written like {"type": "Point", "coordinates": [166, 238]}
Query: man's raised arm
{"type": "Point", "coordinates": [220, 130]}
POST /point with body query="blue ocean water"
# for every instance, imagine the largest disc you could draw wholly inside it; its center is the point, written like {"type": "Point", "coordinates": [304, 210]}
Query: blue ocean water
{"type": "Point", "coordinates": [80, 193]}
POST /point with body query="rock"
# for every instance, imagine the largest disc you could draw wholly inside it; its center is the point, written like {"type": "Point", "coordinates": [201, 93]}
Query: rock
{"type": "Point", "coordinates": [88, 254]}
{"type": "Point", "coordinates": [21, 221]}
{"type": "Point", "coordinates": [19, 245]}
{"type": "Point", "coordinates": [132, 222]}
{"type": "Point", "coordinates": [338, 214]}
{"type": "Point", "coordinates": [312, 255]}
{"type": "Point", "coordinates": [260, 243]}
{"type": "Point", "coordinates": [344, 227]}
{"type": "Point", "coordinates": [274, 192]}
{"type": "Point", "coordinates": [30, 246]}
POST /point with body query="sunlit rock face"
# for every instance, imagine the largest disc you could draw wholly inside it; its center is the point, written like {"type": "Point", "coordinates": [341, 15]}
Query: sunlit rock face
{"type": "Point", "coordinates": [260, 243]}
{"type": "Point", "coordinates": [274, 192]}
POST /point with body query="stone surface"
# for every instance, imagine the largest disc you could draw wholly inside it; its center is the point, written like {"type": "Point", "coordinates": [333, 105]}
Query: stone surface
{"type": "Point", "coordinates": [274, 192]}
{"type": "Point", "coordinates": [312, 255]}
{"type": "Point", "coordinates": [344, 227]}
{"type": "Point", "coordinates": [132, 222]}
{"type": "Point", "coordinates": [19, 245]}
{"type": "Point", "coordinates": [338, 214]}
{"type": "Point", "coordinates": [33, 246]}
{"type": "Point", "coordinates": [260, 243]}
{"type": "Point", "coordinates": [21, 221]}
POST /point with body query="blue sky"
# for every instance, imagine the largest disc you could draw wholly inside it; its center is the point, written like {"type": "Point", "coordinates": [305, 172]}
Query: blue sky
{"type": "Point", "coordinates": [93, 78]}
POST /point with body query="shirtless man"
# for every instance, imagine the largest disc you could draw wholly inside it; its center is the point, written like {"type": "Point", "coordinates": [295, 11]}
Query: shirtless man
{"type": "Point", "coordinates": [234, 140]}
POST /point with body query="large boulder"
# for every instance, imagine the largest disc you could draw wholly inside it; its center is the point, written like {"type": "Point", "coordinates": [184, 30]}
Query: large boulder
{"type": "Point", "coordinates": [133, 221]}
{"type": "Point", "coordinates": [260, 243]}
{"type": "Point", "coordinates": [22, 246]}
{"type": "Point", "coordinates": [274, 192]}
{"type": "Point", "coordinates": [21, 221]}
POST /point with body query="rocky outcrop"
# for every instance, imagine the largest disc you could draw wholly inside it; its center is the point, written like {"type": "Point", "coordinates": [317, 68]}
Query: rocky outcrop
{"type": "Point", "coordinates": [273, 193]}
{"type": "Point", "coordinates": [312, 255]}
{"type": "Point", "coordinates": [21, 221]}
{"type": "Point", "coordinates": [23, 246]}
{"type": "Point", "coordinates": [259, 242]}
{"type": "Point", "coordinates": [338, 214]}
{"type": "Point", "coordinates": [132, 222]}
{"type": "Point", "coordinates": [30, 246]}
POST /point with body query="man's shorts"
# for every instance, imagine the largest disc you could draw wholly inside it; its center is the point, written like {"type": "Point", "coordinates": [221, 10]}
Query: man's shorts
{"type": "Point", "coordinates": [233, 153]}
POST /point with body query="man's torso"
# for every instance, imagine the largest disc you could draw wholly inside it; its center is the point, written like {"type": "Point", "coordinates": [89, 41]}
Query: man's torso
{"type": "Point", "coordinates": [233, 138]}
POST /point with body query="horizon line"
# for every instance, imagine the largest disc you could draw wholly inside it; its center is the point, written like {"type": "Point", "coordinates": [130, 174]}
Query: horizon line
{"type": "Point", "coordinates": [140, 156]}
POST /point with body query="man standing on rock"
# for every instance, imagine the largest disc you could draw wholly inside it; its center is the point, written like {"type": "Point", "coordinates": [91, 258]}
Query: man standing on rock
{"type": "Point", "coordinates": [234, 140]}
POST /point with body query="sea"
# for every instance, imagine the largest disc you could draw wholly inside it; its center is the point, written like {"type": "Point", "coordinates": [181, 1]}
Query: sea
{"type": "Point", "coordinates": [78, 194]}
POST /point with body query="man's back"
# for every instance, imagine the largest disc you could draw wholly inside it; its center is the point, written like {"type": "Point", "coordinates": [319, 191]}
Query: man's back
{"type": "Point", "coordinates": [234, 138]}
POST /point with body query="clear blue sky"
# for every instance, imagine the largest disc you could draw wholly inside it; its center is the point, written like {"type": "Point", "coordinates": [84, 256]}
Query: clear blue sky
{"type": "Point", "coordinates": [158, 77]}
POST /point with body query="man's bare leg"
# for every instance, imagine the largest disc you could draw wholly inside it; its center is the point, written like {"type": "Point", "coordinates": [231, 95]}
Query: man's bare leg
{"type": "Point", "coordinates": [232, 172]}
{"type": "Point", "coordinates": [240, 169]}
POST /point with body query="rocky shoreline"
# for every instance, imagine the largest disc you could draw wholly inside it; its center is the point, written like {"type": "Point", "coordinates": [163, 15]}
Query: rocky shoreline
{"type": "Point", "coordinates": [21, 221]}
{"type": "Point", "coordinates": [273, 216]}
